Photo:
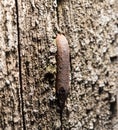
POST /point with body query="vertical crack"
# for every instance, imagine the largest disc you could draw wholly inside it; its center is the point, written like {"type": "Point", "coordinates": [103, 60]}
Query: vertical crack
{"type": "Point", "coordinates": [20, 69]}
{"type": "Point", "coordinates": [57, 10]}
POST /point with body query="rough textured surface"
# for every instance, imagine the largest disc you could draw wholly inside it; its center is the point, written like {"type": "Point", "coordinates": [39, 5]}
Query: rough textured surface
{"type": "Point", "coordinates": [37, 66]}
{"type": "Point", "coordinates": [10, 98]}
{"type": "Point", "coordinates": [93, 75]}
{"type": "Point", "coordinates": [91, 27]}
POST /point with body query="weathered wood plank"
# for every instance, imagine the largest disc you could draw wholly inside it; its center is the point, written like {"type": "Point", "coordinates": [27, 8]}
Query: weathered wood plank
{"type": "Point", "coordinates": [10, 99]}
{"type": "Point", "coordinates": [90, 27]}
{"type": "Point", "coordinates": [36, 38]}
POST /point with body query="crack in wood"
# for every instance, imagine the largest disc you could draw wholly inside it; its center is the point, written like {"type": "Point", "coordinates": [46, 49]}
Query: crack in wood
{"type": "Point", "coordinates": [20, 69]}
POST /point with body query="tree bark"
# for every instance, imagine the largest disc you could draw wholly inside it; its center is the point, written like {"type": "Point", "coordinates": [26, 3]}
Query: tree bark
{"type": "Point", "coordinates": [28, 64]}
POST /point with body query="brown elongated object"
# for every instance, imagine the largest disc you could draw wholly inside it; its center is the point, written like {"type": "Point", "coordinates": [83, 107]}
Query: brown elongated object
{"type": "Point", "coordinates": [63, 69]}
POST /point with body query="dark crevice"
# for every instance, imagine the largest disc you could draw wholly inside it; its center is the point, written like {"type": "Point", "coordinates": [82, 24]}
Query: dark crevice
{"type": "Point", "coordinates": [113, 109]}
{"type": "Point", "coordinates": [61, 113]}
{"type": "Point", "coordinates": [57, 10]}
{"type": "Point", "coordinates": [20, 73]}
{"type": "Point", "coordinates": [49, 77]}
{"type": "Point", "coordinates": [114, 58]}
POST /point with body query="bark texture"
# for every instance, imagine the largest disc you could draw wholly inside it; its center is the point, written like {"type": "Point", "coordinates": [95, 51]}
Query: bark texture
{"type": "Point", "coordinates": [28, 65]}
